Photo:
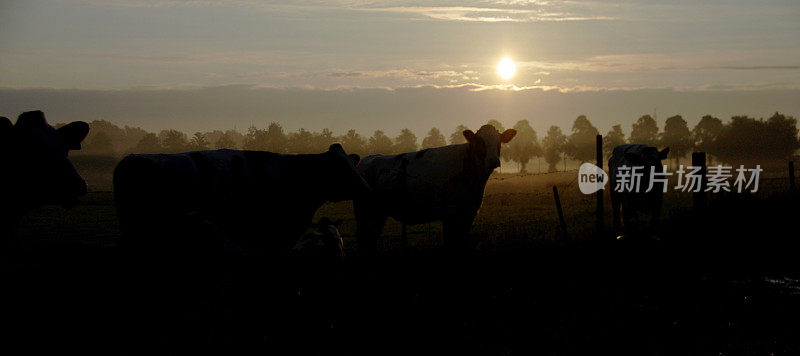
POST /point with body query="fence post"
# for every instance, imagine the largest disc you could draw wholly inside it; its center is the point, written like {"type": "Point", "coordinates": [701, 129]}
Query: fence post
{"type": "Point", "coordinates": [560, 212]}
{"type": "Point", "coordinates": [791, 175]}
{"type": "Point", "coordinates": [600, 212]}
{"type": "Point", "coordinates": [700, 198]}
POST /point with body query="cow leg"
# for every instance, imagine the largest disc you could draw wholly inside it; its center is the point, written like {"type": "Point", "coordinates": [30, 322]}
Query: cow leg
{"type": "Point", "coordinates": [370, 226]}
{"type": "Point", "coordinates": [615, 207]}
{"type": "Point", "coordinates": [456, 233]}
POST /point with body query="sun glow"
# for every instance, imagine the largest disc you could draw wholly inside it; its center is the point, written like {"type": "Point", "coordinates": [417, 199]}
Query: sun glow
{"type": "Point", "coordinates": [506, 68]}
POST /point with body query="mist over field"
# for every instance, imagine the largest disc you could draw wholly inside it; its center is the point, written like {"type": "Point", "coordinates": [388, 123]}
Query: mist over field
{"type": "Point", "coordinates": [390, 110]}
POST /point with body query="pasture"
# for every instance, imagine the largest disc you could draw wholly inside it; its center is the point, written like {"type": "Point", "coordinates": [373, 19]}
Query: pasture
{"type": "Point", "coordinates": [722, 283]}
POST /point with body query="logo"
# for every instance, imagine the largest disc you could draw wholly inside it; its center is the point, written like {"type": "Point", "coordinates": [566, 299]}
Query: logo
{"type": "Point", "coordinates": [591, 178]}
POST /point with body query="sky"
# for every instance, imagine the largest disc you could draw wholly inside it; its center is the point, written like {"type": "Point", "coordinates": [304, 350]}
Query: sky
{"type": "Point", "coordinates": [198, 65]}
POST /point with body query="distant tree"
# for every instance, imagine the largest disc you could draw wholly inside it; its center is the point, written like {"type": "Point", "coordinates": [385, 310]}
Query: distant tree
{"type": "Point", "coordinates": [276, 138]}
{"type": "Point", "coordinates": [496, 124]}
{"type": "Point", "coordinates": [434, 139]}
{"type": "Point", "coordinates": [613, 138]}
{"type": "Point", "coordinates": [705, 134]}
{"type": "Point", "coordinates": [645, 131]}
{"type": "Point", "coordinates": [224, 141]}
{"type": "Point", "coordinates": [352, 142]}
{"type": "Point", "coordinates": [322, 140]}
{"type": "Point", "coordinates": [677, 137]}
{"type": "Point", "coordinates": [379, 144]}
{"type": "Point", "coordinates": [300, 142]}
{"type": "Point", "coordinates": [199, 142]}
{"type": "Point", "coordinates": [149, 143]}
{"type": "Point", "coordinates": [457, 137]}
{"type": "Point", "coordinates": [406, 141]}
{"type": "Point", "coordinates": [173, 141]}
{"type": "Point", "coordinates": [747, 140]}
{"type": "Point", "coordinates": [582, 143]}
{"type": "Point", "coordinates": [524, 146]}
{"type": "Point", "coordinates": [553, 145]}
{"type": "Point", "coordinates": [100, 144]}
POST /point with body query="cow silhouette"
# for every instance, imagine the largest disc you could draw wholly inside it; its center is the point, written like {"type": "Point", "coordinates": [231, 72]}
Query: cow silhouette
{"type": "Point", "coordinates": [444, 183]}
{"type": "Point", "coordinates": [240, 192]}
{"type": "Point", "coordinates": [36, 169]}
{"type": "Point", "coordinates": [636, 206]}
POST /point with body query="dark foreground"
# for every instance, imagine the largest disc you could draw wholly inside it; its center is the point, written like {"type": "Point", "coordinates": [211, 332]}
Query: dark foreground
{"type": "Point", "coordinates": [725, 283]}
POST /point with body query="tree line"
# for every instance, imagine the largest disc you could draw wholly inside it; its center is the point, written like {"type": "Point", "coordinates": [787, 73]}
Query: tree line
{"type": "Point", "coordinates": [742, 139]}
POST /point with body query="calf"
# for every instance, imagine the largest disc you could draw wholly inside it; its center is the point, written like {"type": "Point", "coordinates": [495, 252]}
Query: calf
{"type": "Point", "coordinates": [641, 202]}
{"type": "Point", "coordinates": [36, 168]}
{"type": "Point", "coordinates": [444, 183]}
{"type": "Point", "coordinates": [322, 243]}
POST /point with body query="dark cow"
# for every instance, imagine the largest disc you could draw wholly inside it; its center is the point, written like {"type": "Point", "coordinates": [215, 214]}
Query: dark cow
{"type": "Point", "coordinates": [444, 183]}
{"type": "Point", "coordinates": [323, 243]}
{"type": "Point", "coordinates": [261, 201]}
{"type": "Point", "coordinates": [636, 207]}
{"type": "Point", "coordinates": [36, 168]}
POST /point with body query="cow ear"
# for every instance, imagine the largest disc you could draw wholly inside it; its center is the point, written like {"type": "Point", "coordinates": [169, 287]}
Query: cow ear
{"type": "Point", "coordinates": [634, 158]}
{"type": "Point", "coordinates": [31, 119]}
{"type": "Point", "coordinates": [663, 153]}
{"type": "Point", "coordinates": [73, 133]}
{"type": "Point", "coordinates": [469, 135]}
{"type": "Point", "coordinates": [356, 159]}
{"type": "Point", "coordinates": [507, 135]}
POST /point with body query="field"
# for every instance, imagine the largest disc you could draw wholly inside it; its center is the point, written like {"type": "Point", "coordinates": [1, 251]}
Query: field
{"type": "Point", "coordinates": [721, 283]}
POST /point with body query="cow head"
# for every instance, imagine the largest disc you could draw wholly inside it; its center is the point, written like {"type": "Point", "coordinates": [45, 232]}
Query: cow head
{"type": "Point", "coordinates": [484, 146]}
{"type": "Point", "coordinates": [343, 180]}
{"type": "Point", "coordinates": [35, 156]}
{"type": "Point", "coordinates": [323, 242]}
{"type": "Point", "coordinates": [647, 157]}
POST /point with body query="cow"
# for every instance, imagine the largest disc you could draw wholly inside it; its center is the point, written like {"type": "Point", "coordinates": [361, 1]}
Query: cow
{"type": "Point", "coordinates": [323, 243]}
{"type": "Point", "coordinates": [36, 168]}
{"type": "Point", "coordinates": [436, 184]}
{"type": "Point", "coordinates": [195, 220]}
{"type": "Point", "coordinates": [636, 206]}
{"type": "Point", "coordinates": [240, 192]}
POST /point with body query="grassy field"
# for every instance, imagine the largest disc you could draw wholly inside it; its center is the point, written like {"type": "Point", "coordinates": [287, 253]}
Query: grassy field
{"type": "Point", "coordinates": [723, 283]}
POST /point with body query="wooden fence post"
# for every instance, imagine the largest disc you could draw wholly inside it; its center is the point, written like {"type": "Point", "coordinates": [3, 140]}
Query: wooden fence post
{"type": "Point", "coordinates": [560, 212]}
{"type": "Point", "coordinates": [600, 211]}
{"type": "Point", "coordinates": [700, 198]}
{"type": "Point", "coordinates": [791, 175]}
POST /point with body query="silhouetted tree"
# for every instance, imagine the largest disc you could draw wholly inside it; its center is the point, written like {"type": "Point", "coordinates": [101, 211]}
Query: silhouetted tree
{"type": "Point", "coordinates": [199, 142]}
{"type": "Point", "coordinates": [747, 140]}
{"type": "Point", "coordinates": [553, 144]}
{"type": "Point", "coordinates": [434, 139]}
{"type": "Point", "coordinates": [581, 144]}
{"type": "Point", "coordinates": [644, 131]}
{"type": "Point", "coordinates": [677, 137]}
{"type": "Point", "coordinates": [300, 142]}
{"type": "Point", "coordinates": [613, 138]}
{"type": "Point", "coordinates": [322, 140]}
{"type": "Point", "coordinates": [99, 144]}
{"type": "Point", "coordinates": [524, 146]}
{"type": "Point", "coordinates": [352, 142]}
{"type": "Point", "coordinates": [149, 143]}
{"type": "Point", "coordinates": [173, 141]}
{"type": "Point", "coordinates": [224, 141]}
{"type": "Point", "coordinates": [379, 144]}
{"type": "Point", "coordinates": [457, 137]}
{"type": "Point", "coordinates": [406, 141]}
{"type": "Point", "coordinates": [705, 134]}
{"type": "Point", "coordinates": [497, 124]}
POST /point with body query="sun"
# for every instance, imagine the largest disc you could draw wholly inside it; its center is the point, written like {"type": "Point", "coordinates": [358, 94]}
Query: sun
{"type": "Point", "coordinates": [506, 68]}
